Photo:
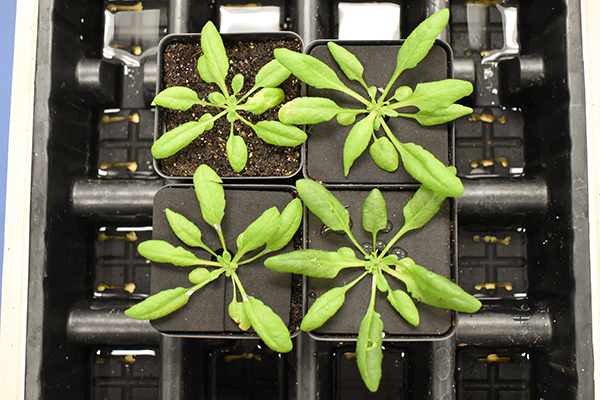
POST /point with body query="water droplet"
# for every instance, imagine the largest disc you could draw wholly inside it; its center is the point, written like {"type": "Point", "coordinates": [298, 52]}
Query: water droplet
{"type": "Point", "coordinates": [380, 245]}
{"type": "Point", "coordinates": [388, 227]}
{"type": "Point", "coordinates": [399, 252]}
{"type": "Point", "coordinates": [367, 247]}
{"type": "Point", "coordinates": [312, 295]}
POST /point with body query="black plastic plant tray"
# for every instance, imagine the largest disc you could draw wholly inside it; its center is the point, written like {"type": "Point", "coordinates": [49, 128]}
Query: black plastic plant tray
{"type": "Point", "coordinates": [522, 224]}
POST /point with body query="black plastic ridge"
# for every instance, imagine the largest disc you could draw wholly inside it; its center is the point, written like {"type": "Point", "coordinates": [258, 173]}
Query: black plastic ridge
{"type": "Point", "coordinates": [107, 324]}
{"type": "Point", "coordinates": [505, 199]}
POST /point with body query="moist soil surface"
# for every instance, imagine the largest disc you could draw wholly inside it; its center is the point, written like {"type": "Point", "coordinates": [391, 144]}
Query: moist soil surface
{"type": "Point", "coordinates": [179, 61]}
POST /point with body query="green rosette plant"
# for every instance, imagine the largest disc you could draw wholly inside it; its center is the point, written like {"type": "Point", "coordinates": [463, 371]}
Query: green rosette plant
{"type": "Point", "coordinates": [422, 284]}
{"type": "Point", "coordinates": [271, 230]}
{"type": "Point", "coordinates": [213, 67]}
{"type": "Point", "coordinates": [435, 102]}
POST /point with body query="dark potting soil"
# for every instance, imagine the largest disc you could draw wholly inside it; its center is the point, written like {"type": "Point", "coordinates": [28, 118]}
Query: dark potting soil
{"type": "Point", "coordinates": [179, 63]}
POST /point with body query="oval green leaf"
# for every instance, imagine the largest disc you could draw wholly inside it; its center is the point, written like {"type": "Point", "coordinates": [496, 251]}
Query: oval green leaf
{"type": "Point", "coordinates": [268, 325]}
{"type": "Point", "coordinates": [421, 208]}
{"type": "Point", "coordinates": [238, 315]}
{"type": "Point", "coordinates": [198, 275]}
{"type": "Point", "coordinates": [237, 83]}
{"type": "Point", "coordinates": [384, 154]}
{"type": "Point", "coordinates": [315, 263]}
{"type": "Point", "coordinates": [258, 232]}
{"type": "Point", "coordinates": [374, 215]}
{"type": "Point", "coordinates": [210, 194]}
{"type": "Point", "coordinates": [271, 75]}
{"type": "Point", "coordinates": [419, 42]}
{"type": "Point", "coordinates": [185, 230]}
{"type": "Point", "coordinates": [357, 141]}
{"type": "Point", "coordinates": [163, 252]}
{"type": "Point", "coordinates": [369, 354]}
{"type": "Point", "coordinates": [434, 284]}
{"type": "Point", "coordinates": [264, 100]}
{"type": "Point", "coordinates": [346, 119]}
{"type": "Point", "coordinates": [176, 139]}
{"type": "Point", "coordinates": [310, 70]}
{"type": "Point", "coordinates": [289, 222]}
{"type": "Point", "coordinates": [176, 98]}
{"type": "Point", "coordinates": [324, 308]}
{"type": "Point", "coordinates": [216, 98]}
{"type": "Point", "coordinates": [237, 152]}
{"type": "Point", "coordinates": [402, 93]}
{"type": "Point", "coordinates": [428, 170]}
{"type": "Point", "coordinates": [214, 53]}
{"type": "Point", "coordinates": [428, 118]}
{"type": "Point", "coordinates": [348, 62]}
{"type": "Point", "coordinates": [432, 96]}
{"type": "Point", "coordinates": [404, 305]}
{"type": "Point", "coordinates": [160, 304]}
{"type": "Point", "coordinates": [274, 132]}
{"type": "Point", "coordinates": [323, 204]}
{"type": "Point", "coordinates": [308, 110]}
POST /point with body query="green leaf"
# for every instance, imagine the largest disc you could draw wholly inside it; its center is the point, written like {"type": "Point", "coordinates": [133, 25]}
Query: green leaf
{"type": "Point", "coordinates": [429, 118]}
{"type": "Point", "coordinates": [203, 71]}
{"type": "Point", "coordinates": [430, 282]}
{"type": "Point", "coordinates": [176, 139]}
{"type": "Point", "coordinates": [374, 215]}
{"type": "Point", "coordinates": [217, 98]}
{"type": "Point", "coordinates": [357, 141]}
{"type": "Point", "coordinates": [462, 302]}
{"type": "Point", "coordinates": [231, 116]}
{"type": "Point", "coordinates": [163, 252]}
{"type": "Point", "coordinates": [432, 96]}
{"type": "Point", "coordinates": [258, 232]}
{"type": "Point", "coordinates": [198, 275]}
{"type": "Point", "coordinates": [211, 195]}
{"type": "Point", "coordinates": [372, 90]}
{"type": "Point", "coordinates": [404, 305]}
{"type": "Point", "coordinates": [346, 119]}
{"type": "Point", "coordinates": [419, 42]}
{"type": "Point", "coordinates": [237, 83]}
{"type": "Point", "coordinates": [176, 98]}
{"type": "Point", "coordinates": [289, 222]}
{"type": "Point", "coordinates": [384, 154]}
{"type": "Point", "coordinates": [428, 170]}
{"type": "Point", "coordinates": [238, 315]}
{"type": "Point", "coordinates": [324, 308]}
{"type": "Point", "coordinates": [323, 204]}
{"type": "Point", "coordinates": [237, 152]}
{"type": "Point", "coordinates": [402, 93]}
{"type": "Point", "coordinates": [274, 132]}
{"type": "Point", "coordinates": [310, 70]}
{"type": "Point", "coordinates": [369, 354]}
{"type": "Point", "coordinates": [265, 99]}
{"type": "Point", "coordinates": [348, 62]}
{"type": "Point", "coordinates": [185, 230]}
{"type": "Point", "coordinates": [421, 208]}
{"type": "Point", "coordinates": [268, 325]}
{"type": "Point", "coordinates": [382, 283]}
{"type": "Point", "coordinates": [308, 110]}
{"type": "Point", "coordinates": [315, 263]}
{"type": "Point", "coordinates": [271, 75]}
{"type": "Point", "coordinates": [215, 56]}
{"type": "Point", "coordinates": [160, 304]}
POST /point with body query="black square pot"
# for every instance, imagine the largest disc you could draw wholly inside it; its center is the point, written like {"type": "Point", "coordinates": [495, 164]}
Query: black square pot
{"type": "Point", "coordinates": [432, 246]}
{"type": "Point", "coordinates": [324, 148]}
{"type": "Point", "coordinates": [206, 313]}
{"type": "Point", "coordinates": [247, 54]}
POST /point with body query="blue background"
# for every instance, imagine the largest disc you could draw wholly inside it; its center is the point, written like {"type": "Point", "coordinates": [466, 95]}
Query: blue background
{"type": "Point", "coordinates": [7, 36]}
